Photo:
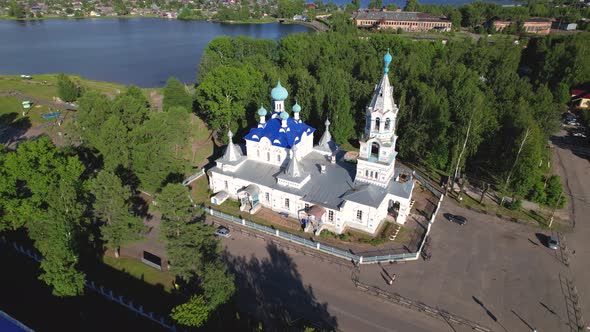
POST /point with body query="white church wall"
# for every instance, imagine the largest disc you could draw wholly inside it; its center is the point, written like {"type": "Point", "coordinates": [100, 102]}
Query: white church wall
{"type": "Point", "coordinates": [264, 151]}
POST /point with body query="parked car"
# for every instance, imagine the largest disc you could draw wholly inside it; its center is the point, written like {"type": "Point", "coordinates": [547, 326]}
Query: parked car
{"type": "Point", "coordinates": [222, 231]}
{"type": "Point", "coordinates": [457, 219]}
{"type": "Point", "coordinates": [553, 242]}
{"type": "Point", "coordinates": [579, 133]}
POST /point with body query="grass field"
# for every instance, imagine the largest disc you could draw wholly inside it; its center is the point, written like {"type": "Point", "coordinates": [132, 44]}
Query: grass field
{"type": "Point", "coordinates": [45, 86]}
{"type": "Point", "coordinates": [141, 271]}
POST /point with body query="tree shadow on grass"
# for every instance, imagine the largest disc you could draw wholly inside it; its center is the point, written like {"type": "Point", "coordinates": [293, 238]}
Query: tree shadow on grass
{"type": "Point", "coordinates": [272, 290]}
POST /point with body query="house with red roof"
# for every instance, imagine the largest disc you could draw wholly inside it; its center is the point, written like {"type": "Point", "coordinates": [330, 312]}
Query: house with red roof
{"type": "Point", "coordinates": [581, 96]}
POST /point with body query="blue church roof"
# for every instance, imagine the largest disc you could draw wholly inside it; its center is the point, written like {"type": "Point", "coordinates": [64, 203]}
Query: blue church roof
{"type": "Point", "coordinates": [278, 136]}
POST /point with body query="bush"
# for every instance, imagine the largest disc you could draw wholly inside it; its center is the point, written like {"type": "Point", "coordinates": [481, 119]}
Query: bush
{"type": "Point", "coordinates": [514, 205]}
{"type": "Point", "coordinates": [549, 192]}
{"type": "Point", "coordinates": [67, 90]}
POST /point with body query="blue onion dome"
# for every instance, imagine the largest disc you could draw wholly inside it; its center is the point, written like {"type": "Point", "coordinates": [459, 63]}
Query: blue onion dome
{"type": "Point", "coordinates": [284, 115]}
{"type": "Point", "coordinates": [279, 93]}
{"type": "Point", "coordinates": [386, 61]}
{"type": "Point", "coordinates": [262, 111]}
{"type": "Point", "coordinates": [296, 108]}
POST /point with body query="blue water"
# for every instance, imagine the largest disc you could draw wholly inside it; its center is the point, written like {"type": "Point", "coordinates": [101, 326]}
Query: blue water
{"type": "Point", "coordinates": [140, 51]}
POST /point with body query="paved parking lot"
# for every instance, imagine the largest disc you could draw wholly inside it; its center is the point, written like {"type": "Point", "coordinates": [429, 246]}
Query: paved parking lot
{"type": "Point", "coordinates": [496, 273]}
{"type": "Point", "coordinates": [491, 271]}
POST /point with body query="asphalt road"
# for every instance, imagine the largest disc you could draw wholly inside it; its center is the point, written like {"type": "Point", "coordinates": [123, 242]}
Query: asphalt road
{"type": "Point", "coordinates": [497, 273]}
{"type": "Point", "coordinates": [571, 161]}
{"type": "Point", "coordinates": [326, 286]}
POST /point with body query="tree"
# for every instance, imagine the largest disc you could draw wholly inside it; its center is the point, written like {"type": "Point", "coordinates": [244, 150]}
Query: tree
{"type": "Point", "coordinates": [55, 237]}
{"type": "Point", "coordinates": [48, 200]}
{"type": "Point", "coordinates": [376, 4]}
{"type": "Point", "coordinates": [334, 84]}
{"type": "Point", "coordinates": [93, 111]}
{"type": "Point", "coordinates": [67, 90]}
{"type": "Point", "coordinates": [189, 243]}
{"type": "Point", "coordinates": [16, 9]}
{"type": "Point", "coordinates": [412, 6]}
{"type": "Point", "coordinates": [131, 110]}
{"type": "Point", "coordinates": [554, 192]}
{"type": "Point", "coordinates": [114, 143]}
{"type": "Point", "coordinates": [175, 94]}
{"type": "Point", "coordinates": [194, 313]}
{"type": "Point", "coordinates": [175, 205]}
{"type": "Point", "coordinates": [112, 206]}
{"type": "Point", "coordinates": [155, 146]}
{"type": "Point", "coordinates": [356, 4]}
{"type": "Point", "coordinates": [224, 95]}
{"type": "Point", "coordinates": [218, 285]}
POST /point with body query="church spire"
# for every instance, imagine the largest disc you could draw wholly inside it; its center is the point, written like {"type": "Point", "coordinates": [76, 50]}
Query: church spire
{"type": "Point", "coordinates": [326, 137]}
{"type": "Point", "coordinates": [294, 168]}
{"type": "Point", "coordinates": [232, 153]}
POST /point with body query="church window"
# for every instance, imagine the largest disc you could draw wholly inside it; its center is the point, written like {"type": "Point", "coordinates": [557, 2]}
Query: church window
{"type": "Point", "coordinates": [367, 173]}
{"type": "Point", "coordinates": [226, 186]}
{"type": "Point", "coordinates": [376, 175]}
{"type": "Point", "coordinates": [387, 124]}
{"type": "Point", "coordinates": [267, 197]}
{"type": "Point", "coordinates": [377, 123]}
{"type": "Point", "coordinates": [359, 215]}
{"type": "Point", "coordinates": [306, 207]}
{"type": "Point", "coordinates": [374, 150]}
{"type": "Point", "coordinates": [279, 158]}
{"type": "Point", "coordinates": [258, 153]}
{"type": "Point", "coordinates": [330, 215]}
{"type": "Point", "coordinates": [268, 156]}
{"type": "Point", "coordinates": [286, 203]}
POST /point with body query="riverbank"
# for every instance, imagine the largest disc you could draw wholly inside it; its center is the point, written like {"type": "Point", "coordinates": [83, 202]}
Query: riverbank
{"type": "Point", "coordinates": [315, 25]}
{"type": "Point", "coordinates": [10, 18]}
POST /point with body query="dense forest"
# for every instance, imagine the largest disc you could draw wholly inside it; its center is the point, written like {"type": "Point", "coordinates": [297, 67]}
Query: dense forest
{"type": "Point", "coordinates": [75, 202]}
{"type": "Point", "coordinates": [483, 108]}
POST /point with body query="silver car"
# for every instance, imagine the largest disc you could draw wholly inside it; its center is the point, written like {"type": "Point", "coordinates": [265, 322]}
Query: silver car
{"type": "Point", "coordinates": [553, 242]}
{"type": "Point", "coordinates": [222, 231]}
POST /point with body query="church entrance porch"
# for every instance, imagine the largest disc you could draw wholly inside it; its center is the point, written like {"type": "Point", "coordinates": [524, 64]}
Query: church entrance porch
{"type": "Point", "coordinates": [312, 218]}
{"type": "Point", "coordinates": [248, 198]}
{"type": "Point", "coordinates": [393, 210]}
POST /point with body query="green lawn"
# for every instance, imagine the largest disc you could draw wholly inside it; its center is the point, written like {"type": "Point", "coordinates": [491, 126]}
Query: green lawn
{"type": "Point", "coordinates": [491, 208]}
{"type": "Point", "coordinates": [11, 112]}
{"type": "Point", "coordinates": [10, 105]}
{"type": "Point", "coordinates": [141, 271]}
{"type": "Point", "coordinates": [48, 90]}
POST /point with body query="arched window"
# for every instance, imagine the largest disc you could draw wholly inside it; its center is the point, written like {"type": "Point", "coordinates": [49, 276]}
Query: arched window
{"type": "Point", "coordinates": [258, 153]}
{"type": "Point", "coordinates": [279, 158]}
{"type": "Point", "coordinates": [374, 150]}
{"type": "Point", "coordinates": [268, 156]}
{"type": "Point", "coordinates": [377, 123]}
{"type": "Point", "coordinates": [387, 124]}
{"type": "Point", "coordinates": [367, 173]}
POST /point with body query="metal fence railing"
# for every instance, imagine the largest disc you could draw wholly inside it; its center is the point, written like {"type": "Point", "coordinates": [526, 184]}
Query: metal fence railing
{"type": "Point", "coordinates": [438, 193]}
{"type": "Point", "coordinates": [193, 177]}
{"type": "Point", "coordinates": [337, 252]}
{"type": "Point", "coordinates": [163, 321]}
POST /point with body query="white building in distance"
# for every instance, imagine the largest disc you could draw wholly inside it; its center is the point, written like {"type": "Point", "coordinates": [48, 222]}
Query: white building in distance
{"type": "Point", "coordinates": [280, 168]}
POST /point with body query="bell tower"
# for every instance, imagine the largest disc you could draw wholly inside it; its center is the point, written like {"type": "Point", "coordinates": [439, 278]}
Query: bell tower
{"type": "Point", "coordinates": [376, 160]}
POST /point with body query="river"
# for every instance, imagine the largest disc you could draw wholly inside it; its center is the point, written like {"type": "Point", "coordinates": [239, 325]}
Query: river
{"type": "Point", "coordinates": [140, 51]}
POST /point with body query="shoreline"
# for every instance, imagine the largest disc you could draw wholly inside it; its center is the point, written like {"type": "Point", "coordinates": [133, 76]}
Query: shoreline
{"type": "Point", "coordinates": [256, 21]}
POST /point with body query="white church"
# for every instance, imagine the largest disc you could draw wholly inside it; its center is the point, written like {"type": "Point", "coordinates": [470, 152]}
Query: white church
{"type": "Point", "coordinates": [279, 168]}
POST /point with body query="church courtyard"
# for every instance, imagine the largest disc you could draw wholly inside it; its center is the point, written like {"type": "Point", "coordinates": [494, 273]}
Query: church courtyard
{"type": "Point", "coordinates": [407, 239]}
